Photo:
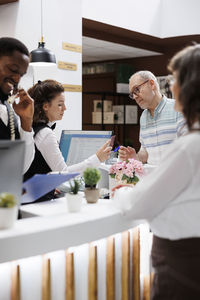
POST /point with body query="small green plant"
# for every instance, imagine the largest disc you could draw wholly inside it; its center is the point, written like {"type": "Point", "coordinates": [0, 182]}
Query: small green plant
{"type": "Point", "coordinates": [74, 186]}
{"type": "Point", "coordinates": [91, 177]}
{"type": "Point", "coordinates": [7, 200]}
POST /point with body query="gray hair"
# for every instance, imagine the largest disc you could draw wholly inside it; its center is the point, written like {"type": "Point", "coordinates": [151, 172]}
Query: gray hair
{"type": "Point", "coordinates": [147, 75]}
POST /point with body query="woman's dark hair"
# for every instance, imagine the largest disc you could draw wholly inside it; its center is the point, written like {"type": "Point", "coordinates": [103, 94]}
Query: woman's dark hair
{"type": "Point", "coordinates": [44, 92]}
{"type": "Point", "coordinates": [186, 64]}
{"type": "Point", "coordinates": [9, 45]}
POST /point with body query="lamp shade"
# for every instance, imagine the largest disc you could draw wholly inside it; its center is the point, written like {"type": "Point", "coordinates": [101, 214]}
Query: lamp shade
{"type": "Point", "coordinates": [41, 54]}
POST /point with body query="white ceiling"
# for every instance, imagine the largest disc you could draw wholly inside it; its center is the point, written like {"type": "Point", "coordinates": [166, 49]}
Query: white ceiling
{"type": "Point", "coordinates": [99, 50]}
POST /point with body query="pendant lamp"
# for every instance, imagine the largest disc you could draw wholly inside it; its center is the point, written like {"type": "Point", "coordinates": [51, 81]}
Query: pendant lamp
{"type": "Point", "coordinates": [41, 54]}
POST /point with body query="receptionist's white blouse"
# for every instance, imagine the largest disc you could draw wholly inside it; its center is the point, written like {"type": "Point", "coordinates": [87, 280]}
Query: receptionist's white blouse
{"type": "Point", "coordinates": [169, 197]}
{"type": "Point", "coordinates": [47, 144]}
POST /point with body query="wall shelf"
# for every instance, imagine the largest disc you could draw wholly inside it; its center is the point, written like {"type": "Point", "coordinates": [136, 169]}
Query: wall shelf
{"type": "Point", "coordinates": [123, 130]}
{"type": "Point", "coordinates": [103, 87]}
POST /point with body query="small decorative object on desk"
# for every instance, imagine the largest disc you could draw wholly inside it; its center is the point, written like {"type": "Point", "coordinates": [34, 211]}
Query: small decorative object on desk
{"type": "Point", "coordinates": [113, 157]}
{"type": "Point", "coordinates": [91, 177]}
{"type": "Point", "coordinates": [8, 210]}
{"type": "Point", "coordinates": [74, 197]}
{"type": "Point", "coordinates": [116, 150]}
{"type": "Point", "coordinates": [126, 172]}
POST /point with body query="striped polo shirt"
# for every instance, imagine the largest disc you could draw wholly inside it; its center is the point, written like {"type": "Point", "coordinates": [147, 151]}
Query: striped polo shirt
{"type": "Point", "coordinates": [157, 132]}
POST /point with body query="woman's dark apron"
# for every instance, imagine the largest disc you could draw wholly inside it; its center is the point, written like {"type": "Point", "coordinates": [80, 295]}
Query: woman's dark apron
{"type": "Point", "coordinates": [177, 269]}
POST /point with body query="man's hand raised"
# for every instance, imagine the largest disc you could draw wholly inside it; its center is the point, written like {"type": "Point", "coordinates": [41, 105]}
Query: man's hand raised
{"type": "Point", "coordinates": [104, 152]}
{"type": "Point", "coordinates": [126, 153]}
{"type": "Point", "coordinates": [25, 109]}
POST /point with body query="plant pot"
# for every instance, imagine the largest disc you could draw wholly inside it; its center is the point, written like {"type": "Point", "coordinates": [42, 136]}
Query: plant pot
{"type": "Point", "coordinates": [74, 202]}
{"type": "Point", "coordinates": [91, 195]}
{"type": "Point", "coordinates": [8, 216]}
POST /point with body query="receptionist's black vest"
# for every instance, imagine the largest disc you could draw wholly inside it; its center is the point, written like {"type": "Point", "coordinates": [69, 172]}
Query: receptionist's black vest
{"type": "Point", "coordinates": [39, 165]}
{"type": "Point", "coordinates": [5, 133]}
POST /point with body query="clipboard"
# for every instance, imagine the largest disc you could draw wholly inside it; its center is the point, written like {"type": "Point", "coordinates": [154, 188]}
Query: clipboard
{"type": "Point", "coordinates": [40, 184]}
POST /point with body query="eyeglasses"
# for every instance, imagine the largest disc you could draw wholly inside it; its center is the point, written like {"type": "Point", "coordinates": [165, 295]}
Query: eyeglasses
{"type": "Point", "coordinates": [136, 90]}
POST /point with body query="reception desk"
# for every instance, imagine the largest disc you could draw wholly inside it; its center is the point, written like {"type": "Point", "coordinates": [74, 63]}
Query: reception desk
{"type": "Point", "coordinates": [48, 227]}
{"type": "Point", "coordinates": [52, 254]}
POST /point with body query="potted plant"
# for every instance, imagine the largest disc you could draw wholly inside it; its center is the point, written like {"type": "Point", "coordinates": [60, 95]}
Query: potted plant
{"type": "Point", "coordinates": [74, 197]}
{"type": "Point", "coordinates": [91, 177]}
{"type": "Point", "coordinates": [8, 210]}
{"type": "Point", "coordinates": [127, 172]}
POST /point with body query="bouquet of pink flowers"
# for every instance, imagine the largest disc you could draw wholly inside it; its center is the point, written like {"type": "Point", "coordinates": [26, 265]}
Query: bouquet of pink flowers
{"type": "Point", "coordinates": [127, 171]}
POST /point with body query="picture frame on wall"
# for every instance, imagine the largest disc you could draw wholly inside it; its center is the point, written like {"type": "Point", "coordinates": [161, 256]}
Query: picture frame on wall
{"type": "Point", "coordinates": [118, 114]}
{"type": "Point", "coordinates": [164, 83]}
{"type": "Point", "coordinates": [131, 114]}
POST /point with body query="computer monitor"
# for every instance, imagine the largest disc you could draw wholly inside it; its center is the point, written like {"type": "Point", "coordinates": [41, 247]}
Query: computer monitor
{"type": "Point", "coordinates": [11, 167]}
{"type": "Point", "coordinates": [77, 145]}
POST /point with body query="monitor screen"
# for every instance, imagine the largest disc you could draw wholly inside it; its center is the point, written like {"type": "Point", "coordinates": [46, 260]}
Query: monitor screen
{"type": "Point", "coordinates": [77, 145]}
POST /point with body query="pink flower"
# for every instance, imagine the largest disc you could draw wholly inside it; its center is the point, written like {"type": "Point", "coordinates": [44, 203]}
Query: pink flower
{"type": "Point", "coordinates": [112, 169]}
{"type": "Point", "coordinates": [130, 169]}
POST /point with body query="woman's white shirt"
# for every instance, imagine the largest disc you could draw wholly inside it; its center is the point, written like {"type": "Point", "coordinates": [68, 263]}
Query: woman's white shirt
{"type": "Point", "coordinates": [169, 197]}
{"type": "Point", "coordinates": [46, 143]}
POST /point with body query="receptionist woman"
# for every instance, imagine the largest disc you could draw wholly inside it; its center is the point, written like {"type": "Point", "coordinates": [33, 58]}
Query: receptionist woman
{"type": "Point", "coordinates": [49, 105]}
{"type": "Point", "coordinates": [169, 197]}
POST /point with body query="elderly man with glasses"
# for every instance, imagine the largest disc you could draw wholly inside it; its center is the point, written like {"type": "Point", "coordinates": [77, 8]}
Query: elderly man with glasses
{"type": "Point", "coordinates": [160, 124]}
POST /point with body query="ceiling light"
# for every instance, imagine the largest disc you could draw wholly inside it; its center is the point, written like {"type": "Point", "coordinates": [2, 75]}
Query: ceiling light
{"type": "Point", "coordinates": [41, 54]}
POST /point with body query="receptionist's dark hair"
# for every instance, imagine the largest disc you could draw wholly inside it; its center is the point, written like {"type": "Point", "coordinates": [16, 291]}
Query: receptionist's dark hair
{"type": "Point", "coordinates": [8, 45]}
{"type": "Point", "coordinates": [44, 92]}
{"type": "Point", "coordinates": [186, 64]}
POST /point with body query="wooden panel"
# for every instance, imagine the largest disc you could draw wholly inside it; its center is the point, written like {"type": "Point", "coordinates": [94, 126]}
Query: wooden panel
{"type": "Point", "coordinates": [151, 280]}
{"type": "Point", "coordinates": [122, 36]}
{"type": "Point", "coordinates": [15, 282]}
{"type": "Point", "coordinates": [156, 64]}
{"type": "Point", "coordinates": [46, 279]}
{"type": "Point", "coordinates": [136, 263]}
{"type": "Point", "coordinates": [125, 277]}
{"type": "Point", "coordinates": [110, 269]}
{"type": "Point", "coordinates": [106, 32]}
{"type": "Point", "coordinates": [95, 83]}
{"type": "Point", "coordinates": [92, 273]}
{"type": "Point", "coordinates": [69, 271]}
{"type": "Point", "coordinates": [146, 287]}
{"type": "Point", "coordinates": [7, 1]}
{"type": "Point", "coordinates": [104, 82]}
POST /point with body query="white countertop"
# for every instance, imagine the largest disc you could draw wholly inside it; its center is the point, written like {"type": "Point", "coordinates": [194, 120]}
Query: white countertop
{"type": "Point", "coordinates": [53, 228]}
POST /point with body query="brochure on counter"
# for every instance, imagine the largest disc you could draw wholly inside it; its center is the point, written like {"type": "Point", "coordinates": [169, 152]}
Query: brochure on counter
{"type": "Point", "coordinates": [40, 184]}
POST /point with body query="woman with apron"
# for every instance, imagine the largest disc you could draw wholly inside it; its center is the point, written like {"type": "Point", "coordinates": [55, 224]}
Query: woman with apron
{"type": "Point", "coordinates": [169, 197]}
